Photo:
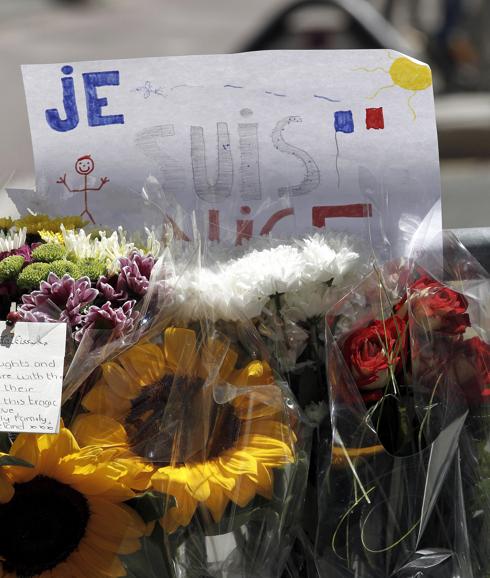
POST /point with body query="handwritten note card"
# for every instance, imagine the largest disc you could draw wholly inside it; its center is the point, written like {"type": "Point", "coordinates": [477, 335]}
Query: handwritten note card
{"type": "Point", "coordinates": [255, 143]}
{"type": "Point", "coordinates": [31, 376]}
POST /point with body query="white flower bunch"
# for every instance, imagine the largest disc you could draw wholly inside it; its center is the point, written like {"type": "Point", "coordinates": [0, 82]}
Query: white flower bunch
{"type": "Point", "coordinates": [12, 240]}
{"type": "Point", "coordinates": [300, 271]}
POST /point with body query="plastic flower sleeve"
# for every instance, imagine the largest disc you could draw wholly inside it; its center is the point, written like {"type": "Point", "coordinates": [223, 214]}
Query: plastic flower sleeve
{"type": "Point", "coordinates": [283, 287]}
{"type": "Point", "coordinates": [451, 368]}
{"type": "Point", "coordinates": [219, 444]}
{"type": "Point", "coordinates": [381, 481]}
{"type": "Point", "coordinates": [112, 324]}
{"type": "Point", "coordinates": [69, 509]}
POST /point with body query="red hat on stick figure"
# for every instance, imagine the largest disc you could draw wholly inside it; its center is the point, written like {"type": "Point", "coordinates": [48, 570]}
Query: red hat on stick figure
{"type": "Point", "coordinates": [84, 166]}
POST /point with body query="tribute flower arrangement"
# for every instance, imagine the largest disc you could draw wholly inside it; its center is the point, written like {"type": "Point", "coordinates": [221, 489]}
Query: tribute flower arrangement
{"type": "Point", "coordinates": [184, 452]}
{"type": "Point", "coordinates": [408, 377]}
{"type": "Point", "coordinates": [66, 275]}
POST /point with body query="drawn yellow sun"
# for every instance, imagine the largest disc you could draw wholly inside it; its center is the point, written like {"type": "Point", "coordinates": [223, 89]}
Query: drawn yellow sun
{"type": "Point", "coordinates": [407, 74]}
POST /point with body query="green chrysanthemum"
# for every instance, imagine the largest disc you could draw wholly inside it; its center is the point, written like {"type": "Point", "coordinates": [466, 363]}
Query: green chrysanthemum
{"type": "Point", "coordinates": [49, 252]}
{"type": "Point", "coordinates": [32, 275]}
{"type": "Point", "coordinates": [63, 267]}
{"type": "Point", "coordinates": [10, 267]}
{"type": "Point", "coordinates": [91, 268]}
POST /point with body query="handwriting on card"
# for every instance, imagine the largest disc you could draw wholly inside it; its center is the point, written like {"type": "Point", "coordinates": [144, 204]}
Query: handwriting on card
{"type": "Point", "coordinates": [31, 376]}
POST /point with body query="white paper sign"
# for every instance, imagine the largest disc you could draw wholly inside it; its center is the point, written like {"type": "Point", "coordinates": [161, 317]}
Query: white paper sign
{"type": "Point", "coordinates": [257, 143]}
{"type": "Point", "coordinates": [31, 376]}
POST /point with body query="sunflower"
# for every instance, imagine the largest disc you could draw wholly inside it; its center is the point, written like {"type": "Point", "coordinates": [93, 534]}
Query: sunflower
{"type": "Point", "coordinates": [63, 517]}
{"type": "Point", "coordinates": [213, 432]}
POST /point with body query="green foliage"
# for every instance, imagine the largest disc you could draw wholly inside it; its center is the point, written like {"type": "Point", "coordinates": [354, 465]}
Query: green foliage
{"type": "Point", "coordinates": [13, 461]}
{"type": "Point", "coordinates": [91, 268]}
{"type": "Point", "coordinates": [49, 252]}
{"type": "Point", "coordinates": [153, 559]}
{"type": "Point", "coordinates": [30, 278]}
{"type": "Point", "coordinates": [151, 505]}
{"type": "Point", "coordinates": [10, 267]}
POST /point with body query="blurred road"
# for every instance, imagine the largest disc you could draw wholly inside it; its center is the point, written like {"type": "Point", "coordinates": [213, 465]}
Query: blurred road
{"type": "Point", "coordinates": [37, 31]}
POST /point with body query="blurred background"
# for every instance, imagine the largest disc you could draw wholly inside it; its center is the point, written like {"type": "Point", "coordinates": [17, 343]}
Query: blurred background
{"type": "Point", "coordinates": [451, 35]}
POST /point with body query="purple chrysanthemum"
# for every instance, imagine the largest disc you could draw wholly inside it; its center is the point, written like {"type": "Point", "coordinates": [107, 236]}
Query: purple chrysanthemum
{"type": "Point", "coordinates": [134, 277]}
{"type": "Point", "coordinates": [118, 321]}
{"type": "Point", "coordinates": [110, 291]}
{"type": "Point", "coordinates": [58, 300]}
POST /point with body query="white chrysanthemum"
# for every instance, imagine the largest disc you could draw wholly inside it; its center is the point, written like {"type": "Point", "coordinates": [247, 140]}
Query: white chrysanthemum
{"type": "Point", "coordinates": [153, 245]}
{"type": "Point", "coordinates": [243, 285]}
{"type": "Point", "coordinates": [80, 244]}
{"type": "Point", "coordinates": [107, 248]}
{"type": "Point", "coordinates": [12, 240]}
{"type": "Point", "coordinates": [307, 303]}
{"type": "Point", "coordinates": [114, 247]}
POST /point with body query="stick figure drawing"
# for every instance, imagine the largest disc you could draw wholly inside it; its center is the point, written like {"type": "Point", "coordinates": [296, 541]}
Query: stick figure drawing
{"type": "Point", "coordinates": [84, 166]}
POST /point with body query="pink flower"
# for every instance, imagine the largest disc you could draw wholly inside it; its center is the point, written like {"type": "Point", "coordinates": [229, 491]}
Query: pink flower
{"type": "Point", "coordinates": [117, 321]}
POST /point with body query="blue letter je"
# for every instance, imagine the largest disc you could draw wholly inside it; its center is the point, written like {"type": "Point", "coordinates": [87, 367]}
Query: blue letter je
{"type": "Point", "coordinates": [91, 81]}
{"type": "Point", "coordinates": [70, 104]}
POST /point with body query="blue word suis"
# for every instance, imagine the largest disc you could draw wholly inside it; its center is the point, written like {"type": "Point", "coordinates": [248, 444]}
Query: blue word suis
{"type": "Point", "coordinates": [95, 104]}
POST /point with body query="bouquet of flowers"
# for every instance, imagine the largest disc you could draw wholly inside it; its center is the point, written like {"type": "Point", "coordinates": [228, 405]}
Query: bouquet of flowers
{"type": "Point", "coordinates": [407, 364]}
{"type": "Point", "coordinates": [181, 452]}
{"type": "Point", "coordinates": [284, 288]}
{"type": "Point", "coordinates": [53, 273]}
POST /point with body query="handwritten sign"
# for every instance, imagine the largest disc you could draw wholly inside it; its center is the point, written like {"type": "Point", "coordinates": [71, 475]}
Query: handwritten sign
{"type": "Point", "coordinates": [31, 376]}
{"type": "Point", "coordinates": [256, 143]}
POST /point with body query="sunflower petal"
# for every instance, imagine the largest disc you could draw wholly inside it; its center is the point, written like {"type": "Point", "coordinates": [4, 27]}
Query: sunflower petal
{"type": "Point", "coordinates": [255, 373]}
{"type": "Point", "coordinates": [179, 515]}
{"type": "Point", "coordinates": [216, 504]}
{"type": "Point", "coordinates": [218, 354]}
{"type": "Point", "coordinates": [99, 430]}
{"type": "Point", "coordinates": [120, 381]}
{"type": "Point", "coordinates": [238, 462]}
{"type": "Point", "coordinates": [197, 480]}
{"type": "Point", "coordinates": [243, 492]}
{"type": "Point", "coordinates": [6, 490]}
{"type": "Point", "coordinates": [144, 363]}
{"type": "Point", "coordinates": [114, 520]}
{"type": "Point", "coordinates": [266, 450]}
{"type": "Point", "coordinates": [124, 546]}
{"type": "Point", "coordinates": [265, 482]}
{"type": "Point", "coordinates": [105, 562]}
{"type": "Point", "coordinates": [102, 399]}
{"type": "Point", "coordinates": [180, 349]}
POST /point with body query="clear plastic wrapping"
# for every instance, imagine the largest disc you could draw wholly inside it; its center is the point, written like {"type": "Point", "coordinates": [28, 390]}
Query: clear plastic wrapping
{"type": "Point", "coordinates": [220, 444]}
{"type": "Point", "coordinates": [401, 491]}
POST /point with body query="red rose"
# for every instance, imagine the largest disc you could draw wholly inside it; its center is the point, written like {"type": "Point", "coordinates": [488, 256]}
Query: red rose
{"type": "Point", "coordinates": [370, 351]}
{"type": "Point", "coordinates": [471, 367]}
{"type": "Point", "coordinates": [435, 306]}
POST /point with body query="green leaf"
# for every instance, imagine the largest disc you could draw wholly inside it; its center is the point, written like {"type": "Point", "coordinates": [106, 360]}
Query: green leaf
{"type": "Point", "coordinates": [151, 560]}
{"type": "Point", "coordinates": [151, 505]}
{"type": "Point", "coordinates": [12, 461]}
{"type": "Point", "coordinates": [5, 443]}
{"type": "Point", "coordinates": [259, 509]}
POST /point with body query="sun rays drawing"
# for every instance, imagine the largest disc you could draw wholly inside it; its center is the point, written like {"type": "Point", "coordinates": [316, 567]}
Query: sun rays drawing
{"type": "Point", "coordinates": [407, 74]}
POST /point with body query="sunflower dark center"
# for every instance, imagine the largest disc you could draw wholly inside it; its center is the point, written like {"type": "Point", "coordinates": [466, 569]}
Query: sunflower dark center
{"type": "Point", "coordinates": [176, 420]}
{"type": "Point", "coordinates": [41, 526]}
